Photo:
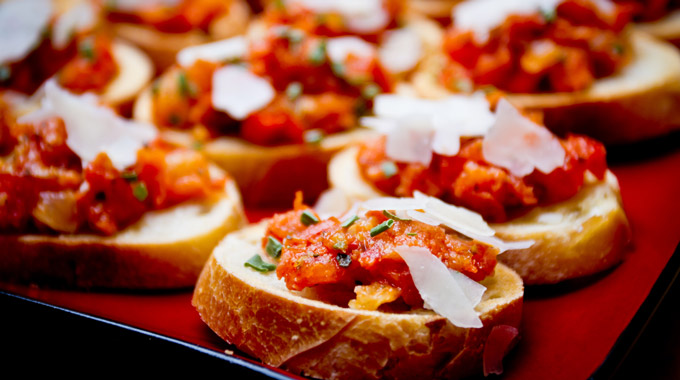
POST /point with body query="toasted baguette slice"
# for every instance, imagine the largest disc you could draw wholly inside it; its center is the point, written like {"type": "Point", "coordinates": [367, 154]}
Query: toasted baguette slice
{"type": "Point", "coordinates": [437, 9]}
{"type": "Point", "coordinates": [641, 101]}
{"type": "Point", "coordinates": [163, 47]}
{"type": "Point", "coordinates": [164, 249]}
{"type": "Point", "coordinates": [267, 176]}
{"type": "Point", "coordinates": [259, 315]}
{"type": "Point", "coordinates": [135, 71]}
{"type": "Point", "coordinates": [581, 236]}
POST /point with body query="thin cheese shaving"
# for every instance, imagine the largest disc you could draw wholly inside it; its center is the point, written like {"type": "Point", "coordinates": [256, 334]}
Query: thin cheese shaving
{"type": "Point", "coordinates": [239, 92]}
{"type": "Point", "coordinates": [482, 16]}
{"type": "Point", "coordinates": [22, 23]}
{"type": "Point", "coordinates": [218, 51]}
{"type": "Point", "coordinates": [401, 50]}
{"type": "Point", "coordinates": [359, 16]}
{"type": "Point", "coordinates": [448, 295]}
{"type": "Point", "coordinates": [520, 145]}
{"type": "Point", "coordinates": [339, 48]}
{"type": "Point", "coordinates": [78, 18]}
{"type": "Point", "coordinates": [93, 129]}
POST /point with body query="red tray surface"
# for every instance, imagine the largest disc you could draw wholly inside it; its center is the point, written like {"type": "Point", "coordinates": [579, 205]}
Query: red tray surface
{"type": "Point", "coordinates": [567, 333]}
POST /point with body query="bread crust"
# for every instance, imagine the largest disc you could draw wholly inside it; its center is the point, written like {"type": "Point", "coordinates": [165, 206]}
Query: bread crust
{"type": "Point", "coordinates": [267, 176]}
{"type": "Point", "coordinates": [135, 71]}
{"type": "Point", "coordinates": [583, 235]}
{"type": "Point", "coordinates": [165, 249]}
{"type": "Point", "coordinates": [667, 28]}
{"type": "Point", "coordinates": [641, 101]}
{"type": "Point", "coordinates": [258, 314]}
{"type": "Point", "coordinates": [163, 47]}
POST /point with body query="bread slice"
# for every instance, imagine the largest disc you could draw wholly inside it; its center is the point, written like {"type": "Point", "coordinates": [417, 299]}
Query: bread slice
{"type": "Point", "coordinates": [641, 101]}
{"type": "Point", "coordinates": [267, 176]}
{"type": "Point", "coordinates": [260, 316]}
{"type": "Point", "coordinates": [667, 28]}
{"type": "Point", "coordinates": [163, 47]}
{"type": "Point", "coordinates": [580, 236]}
{"type": "Point", "coordinates": [135, 71]}
{"type": "Point", "coordinates": [165, 249]}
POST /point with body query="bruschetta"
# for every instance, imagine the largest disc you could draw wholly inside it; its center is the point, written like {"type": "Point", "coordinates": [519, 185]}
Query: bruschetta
{"type": "Point", "coordinates": [525, 181]}
{"type": "Point", "coordinates": [375, 295]}
{"type": "Point", "coordinates": [92, 200]}
{"type": "Point", "coordinates": [578, 61]}
{"type": "Point", "coordinates": [163, 28]}
{"type": "Point", "coordinates": [272, 106]}
{"type": "Point", "coordinates": [60, 38]}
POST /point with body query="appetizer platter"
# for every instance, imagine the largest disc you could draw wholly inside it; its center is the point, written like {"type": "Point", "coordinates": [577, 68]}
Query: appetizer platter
{"type": "Point", "coordinates": [378, 189]}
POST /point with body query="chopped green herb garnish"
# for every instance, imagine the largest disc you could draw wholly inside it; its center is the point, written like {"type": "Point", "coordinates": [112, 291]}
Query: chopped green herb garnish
{"type": "Point", "coordinates": [86, 49]}
{"type": "Point", "coordinates": [344, 260]}
{"type": "Point", "coordinates": [174, 119]}
{"type": "Point", "coordinates": [197, 145]}
{"type": "Point", "coordinates": [549, 15]}
{"type": "Point", "coordinates": [382, 227]}
{"type": "Point", "coordinates": [370, 91]}
{"type": "Point", "coordinates": [318, 55]}
{"type": "Point", "coordinates": [348, 223]}
{"type": "Point", "coordinates": [340, 245]}
{"type": "Point", "coordinates": [412, 234]}
{"type": "Point", "coordinates": [294, 36]}
{"type": "Point", "coordinates": [273, 247]}
{"type": "Point", "coordinates": [394, 217]}
{"type": "Point", "coordinates": [618, 48]}
{"type": "Point", "coordinates": [129, 176]}
{"type": "Point", "coordinates": [155, 87]}
{"type": "Point", "coordinates": [186, 88]}
{"type": "Point", "coordinates": [5, 73]}
{"type": "Point", "coordinates": [258, 264]}
{"type": "Point", "coordinates": [313, 136]}
{"type": "Point", "coordinates": [280, 5]}
{"type": "Point", "coordinates": [140, 192]}
{"type": "Point", "coordinates": [338, 69]}
{"type": "Point", "coordinates": [463, 85]}
{"type": "Point", "coordinates": [389, 169]}
{"type": "Point", "coordinates": [308, 218]}
{"type": "Point", "coordinates": [294, 90]}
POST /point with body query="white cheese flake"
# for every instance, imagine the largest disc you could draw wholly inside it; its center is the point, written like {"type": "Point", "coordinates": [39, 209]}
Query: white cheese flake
{"type": "Point", "coordinates": [400, 50]}
{"type": "Point", "coordinates": [77, 18]}
{"type": "Point", "coordinates": [518, 144]}
{"type": "Point", "coordinates": [218, 51]}
{"type": "Point", "coordinates": [239, 92]}
{"type": "Point", "coordinates": [449, 295]}
{"type": "Point", "coordinates": [359, 16]}
{"type": "Point", "coordinates": [93, 129]}
{"type": "Point", "coordinates": [22, 24]}
{"type": "Point", "coordinates": [339, 49]}
{"type": "Point", "coordinates": [482, 16]}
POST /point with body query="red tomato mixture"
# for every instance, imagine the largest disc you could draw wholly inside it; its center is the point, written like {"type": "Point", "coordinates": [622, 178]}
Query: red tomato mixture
{"type": "Point", "coordinates": [650, 10]}
{"type": "Point", "coordinates": [85, 64]}
{"type": "Point", "coordinates": [343, 260]}
{"type": "Point", "coordinates": [560, 51]}
{"type": "Point", "coordinates": [314, 96]}
{"type": "Point", "coordinates": [186, 16]}
{"type": "Point", "coordinates": [43, 186]}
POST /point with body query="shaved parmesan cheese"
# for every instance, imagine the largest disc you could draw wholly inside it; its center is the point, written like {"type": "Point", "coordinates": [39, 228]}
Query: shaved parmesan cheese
{"type": "Point", "coordinates": [473, 290]}
{"type": "Point", "coordinates": [401, 50]}
{"type": "Point", "coordinates": [93, 129]}
{"type": "Point", "coordinates": [218, 51]}
{"type": "Point", "coordinates": [22, 23]}
{"type": "Point", "coordinates": [458, 218]}
{"type": "Point", "coordinates": [359, 16]}
{"type": "Point", "coordinates": [482, 16]}
{"type": "Point", "coordinates": [410, 141]}
{"type": "Point", "coordinates": [441, 291]}
{"type": "Point", "coordinates": [339, 49]}
{"type": "Point", "coordinates": [332, 202]}
{"type": "Point", "coordinates": [520, 145]}
{"type": "Point", "coordinates": [394, 106]}
{"type": "Point", "coordinates": [77, 18]}
{"type": "Point", "coordinates": [239, 92]}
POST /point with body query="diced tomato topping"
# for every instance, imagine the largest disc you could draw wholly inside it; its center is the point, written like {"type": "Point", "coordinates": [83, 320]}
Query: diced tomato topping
{"type": "Point", "coordinates": [92, 68]}
{"type": "Point", "coordinates": [561, 52]}
{"type": "Point", "coordinates": [466, 179]}
{"type": "Point", "coordinates": [181, 18]}
{"type": "Point", "coordinates": [327, 254]}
